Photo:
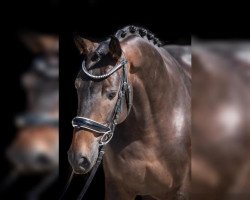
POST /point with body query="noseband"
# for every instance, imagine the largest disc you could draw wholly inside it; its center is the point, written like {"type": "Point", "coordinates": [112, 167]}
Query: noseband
{"type": "Point", "coordinates": [124, 93]}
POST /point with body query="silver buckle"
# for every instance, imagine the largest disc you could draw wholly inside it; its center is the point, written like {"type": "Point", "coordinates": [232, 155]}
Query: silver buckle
{"type": "Point", "coordinates": [105, 139]}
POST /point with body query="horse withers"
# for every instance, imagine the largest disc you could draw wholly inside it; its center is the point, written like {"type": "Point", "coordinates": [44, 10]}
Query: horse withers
{"type": "Point", "coordinates": [131, 85]}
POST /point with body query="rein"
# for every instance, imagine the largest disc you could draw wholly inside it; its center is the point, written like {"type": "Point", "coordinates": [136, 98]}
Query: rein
{"type": "Point", "coordinates": [106, 130]}
{"type": "Point", "coordinates": [93, 172]}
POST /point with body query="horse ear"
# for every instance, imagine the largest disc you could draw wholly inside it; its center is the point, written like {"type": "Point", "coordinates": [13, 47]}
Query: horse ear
{"type": "Point", "coordinates": [115, 47]}
{"type": "Point", "coordinates": [85, 46]}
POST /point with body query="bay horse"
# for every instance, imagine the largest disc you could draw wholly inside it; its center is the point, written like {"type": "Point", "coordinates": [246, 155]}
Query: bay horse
{"type": "Point", "coordinates": [132, 81]}
{"type": "Point", "coordinates": [35, 148]}
{"type": "Point", "coordinates": [220, 120]}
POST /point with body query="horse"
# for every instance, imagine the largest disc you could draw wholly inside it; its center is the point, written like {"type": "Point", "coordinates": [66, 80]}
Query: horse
{"type": "Point", "coordinates": [220, 120]}
{"type": "Point", "coordinates": [35, 148]}
{"type": "Point", "coordinates": [133, 102]}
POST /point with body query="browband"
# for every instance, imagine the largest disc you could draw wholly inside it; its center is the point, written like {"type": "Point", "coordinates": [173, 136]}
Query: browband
{"type": "Point", "coordinates": [109, 73]}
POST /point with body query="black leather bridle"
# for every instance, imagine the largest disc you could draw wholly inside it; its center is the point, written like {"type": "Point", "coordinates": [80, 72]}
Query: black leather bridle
{"type": "Point", "coordinates": [106, 130]}
{"type": "Point", "coordinates": [124, 93]}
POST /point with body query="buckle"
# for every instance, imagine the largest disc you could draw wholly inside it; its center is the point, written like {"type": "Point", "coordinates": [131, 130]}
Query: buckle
{"type": "Point", "coordinates": [105, 139]}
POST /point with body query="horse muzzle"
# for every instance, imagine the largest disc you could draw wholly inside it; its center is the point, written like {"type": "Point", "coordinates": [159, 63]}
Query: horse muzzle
{"type": "Point", "coordinates": [80, 164]}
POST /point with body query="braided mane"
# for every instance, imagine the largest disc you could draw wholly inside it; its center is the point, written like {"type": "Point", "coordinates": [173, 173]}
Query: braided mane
{"type": "Point", "coordinates": [138, 31]}
{"type": "Point", "coordinates": [123, 33]}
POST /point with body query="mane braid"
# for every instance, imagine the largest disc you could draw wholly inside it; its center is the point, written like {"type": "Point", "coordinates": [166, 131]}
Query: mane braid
{"type": "Point", "coordinates": [138, 31]}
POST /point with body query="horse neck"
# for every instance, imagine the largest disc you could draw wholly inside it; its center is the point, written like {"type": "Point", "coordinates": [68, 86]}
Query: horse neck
{"type": "Point", "coordinates": [158, 85]}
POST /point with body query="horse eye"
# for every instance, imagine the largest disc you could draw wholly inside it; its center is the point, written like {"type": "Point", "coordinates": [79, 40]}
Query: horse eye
{"type": "Point", "coordinates": [111, 95]}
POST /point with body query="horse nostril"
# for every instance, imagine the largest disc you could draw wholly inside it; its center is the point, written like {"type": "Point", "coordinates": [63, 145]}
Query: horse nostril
{"type": "Point", "coordinates": [84, 163]}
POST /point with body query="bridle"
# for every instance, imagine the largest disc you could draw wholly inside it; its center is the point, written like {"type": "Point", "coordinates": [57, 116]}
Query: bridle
{"type": "Point", "coordinates": [124, 93]}
{"type": "Point", "coordinates": [107, 131]}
